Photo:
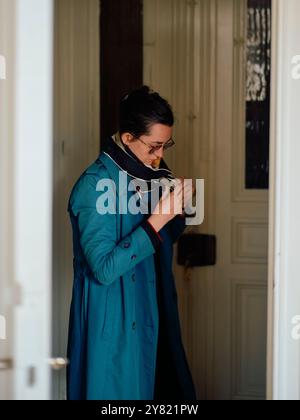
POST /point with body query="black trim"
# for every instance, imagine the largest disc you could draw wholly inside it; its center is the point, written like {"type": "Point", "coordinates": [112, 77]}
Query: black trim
{"type": "Point", "coordinates": [154, 236]}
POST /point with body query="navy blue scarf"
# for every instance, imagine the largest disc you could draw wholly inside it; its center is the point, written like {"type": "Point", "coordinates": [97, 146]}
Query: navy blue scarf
{"type": "Point", "coordinates": [129, 162]}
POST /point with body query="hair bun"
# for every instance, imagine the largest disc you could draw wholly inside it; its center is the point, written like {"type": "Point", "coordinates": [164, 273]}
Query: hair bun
{"type": "Point", "coordinates": [146, 89]}
{"type": "Point", "coordinates": [138, 93]}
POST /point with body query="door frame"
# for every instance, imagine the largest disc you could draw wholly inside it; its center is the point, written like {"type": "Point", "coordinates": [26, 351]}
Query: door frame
{"type": "Point", "coordinates": [27, 187]}
{"type": "Point", "coordinates": [283, 365]}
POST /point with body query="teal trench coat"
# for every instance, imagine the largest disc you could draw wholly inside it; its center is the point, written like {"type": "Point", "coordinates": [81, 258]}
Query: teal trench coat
{"type": "Point", "coordinates": [114, 317]}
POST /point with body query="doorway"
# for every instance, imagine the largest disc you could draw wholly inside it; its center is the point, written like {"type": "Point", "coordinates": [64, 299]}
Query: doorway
{"type": "Point", "coordinates": [194, 56]}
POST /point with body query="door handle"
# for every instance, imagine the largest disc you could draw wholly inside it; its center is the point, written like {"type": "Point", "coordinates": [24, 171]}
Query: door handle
{"type": "Point", "coordinates": [58, 363]}
{"type": "Point", "coordinates": [6, 364]}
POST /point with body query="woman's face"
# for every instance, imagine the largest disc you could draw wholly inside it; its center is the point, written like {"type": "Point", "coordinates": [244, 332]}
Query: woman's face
{"type": "Point", "coordinates": [159, 135]}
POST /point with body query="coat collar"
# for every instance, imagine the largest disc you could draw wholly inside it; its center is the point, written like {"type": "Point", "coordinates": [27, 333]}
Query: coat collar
{"type": "Point", "coordinates": [114, 172]}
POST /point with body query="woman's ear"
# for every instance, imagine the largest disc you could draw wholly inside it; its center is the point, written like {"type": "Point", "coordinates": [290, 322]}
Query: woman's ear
{"type": "Point", "coordinates": [126, 138]}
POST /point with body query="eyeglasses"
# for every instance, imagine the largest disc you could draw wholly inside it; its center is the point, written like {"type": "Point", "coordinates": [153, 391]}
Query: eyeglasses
{"type": "Point", "coordinates": [153, 149]}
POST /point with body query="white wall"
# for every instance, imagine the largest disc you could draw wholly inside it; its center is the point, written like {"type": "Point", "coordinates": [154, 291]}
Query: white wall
{"type": "Point", "coordinates": [284, 343]}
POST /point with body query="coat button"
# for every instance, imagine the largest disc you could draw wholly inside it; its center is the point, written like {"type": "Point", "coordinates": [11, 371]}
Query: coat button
{"type": "Point", "coordinates": [126, 245]}
{"type": "Point", "coordinates": [133, 257]}
{"type": "Point", "coordinates": [133, 325]}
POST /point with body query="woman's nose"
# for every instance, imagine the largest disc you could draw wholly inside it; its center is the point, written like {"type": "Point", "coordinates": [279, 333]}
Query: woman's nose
{"type": "Point", "coordinates": [159, 153]}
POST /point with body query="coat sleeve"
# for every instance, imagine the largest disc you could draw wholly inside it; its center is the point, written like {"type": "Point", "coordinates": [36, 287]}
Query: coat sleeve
{"type": "Point", "coordinates": [107, 258]}
{"type": "Point", "coordinates": [176, 227]}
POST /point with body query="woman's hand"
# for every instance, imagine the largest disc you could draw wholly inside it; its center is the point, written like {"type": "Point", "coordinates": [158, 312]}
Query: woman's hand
{"type": "Point", "coordinates": [169, 206]}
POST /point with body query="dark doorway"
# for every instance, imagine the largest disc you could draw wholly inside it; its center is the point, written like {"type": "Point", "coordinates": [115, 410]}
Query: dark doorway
{"type": "Point", "coordinates": [121, 57]}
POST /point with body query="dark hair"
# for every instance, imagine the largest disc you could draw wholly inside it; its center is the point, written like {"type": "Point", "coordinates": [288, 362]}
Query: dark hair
{"type": "Point", "coordinates": [142, 108]}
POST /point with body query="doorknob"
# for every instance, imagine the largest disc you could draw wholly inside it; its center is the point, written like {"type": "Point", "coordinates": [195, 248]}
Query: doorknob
{"type": "Point", "coordinates": [58, 363]}
{"type": "Point", "coordinates": [6, 364]}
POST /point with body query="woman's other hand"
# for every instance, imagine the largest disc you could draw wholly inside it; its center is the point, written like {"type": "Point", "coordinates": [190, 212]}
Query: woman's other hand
{"type": "Point", "coordinates": [169, 206]}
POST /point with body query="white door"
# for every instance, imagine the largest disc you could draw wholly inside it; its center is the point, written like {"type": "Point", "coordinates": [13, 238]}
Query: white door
{"type": "Point", "coordinates": [26, 191]}
{"type": "Point", "coordinates": [240, 298]}
{"type": "Point", "coordinates": [193, 57]}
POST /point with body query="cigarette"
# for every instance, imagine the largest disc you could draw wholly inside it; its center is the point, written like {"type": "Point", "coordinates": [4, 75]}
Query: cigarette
{"type": "Point", "coordinates": [156, 163]}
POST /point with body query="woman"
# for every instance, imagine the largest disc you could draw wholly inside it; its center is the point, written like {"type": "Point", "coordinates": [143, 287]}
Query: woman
{"type": "Point", "coordinates": [124, 333]}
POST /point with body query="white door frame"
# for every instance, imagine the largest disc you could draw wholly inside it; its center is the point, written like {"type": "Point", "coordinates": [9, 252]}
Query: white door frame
{"type": "Point", "coordinates": [284, 241]}
{"type": "Point", "coordinates": [28, 139]}
{"type": "Point", "coordinates": [7, 50]}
